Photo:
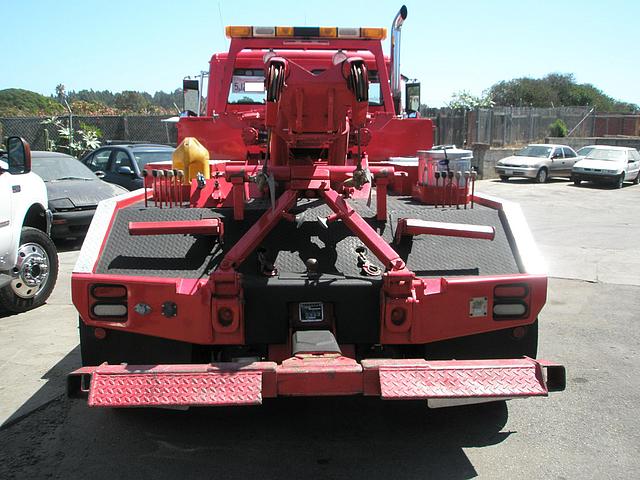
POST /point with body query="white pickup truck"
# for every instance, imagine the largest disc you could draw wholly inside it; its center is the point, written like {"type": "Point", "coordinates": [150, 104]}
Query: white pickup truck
{"type": "Point", "coordinates": [28, 257]}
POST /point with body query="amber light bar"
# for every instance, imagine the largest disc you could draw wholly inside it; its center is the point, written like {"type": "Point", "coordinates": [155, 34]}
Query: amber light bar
{"type": "Point", "coordinates": [245, 31]}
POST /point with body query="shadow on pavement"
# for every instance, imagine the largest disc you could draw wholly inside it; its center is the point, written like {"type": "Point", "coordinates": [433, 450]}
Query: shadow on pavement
{"type": "Point", "coordinates": [287, 437]}
{"type": "Point", "coordinates": [53, 389]}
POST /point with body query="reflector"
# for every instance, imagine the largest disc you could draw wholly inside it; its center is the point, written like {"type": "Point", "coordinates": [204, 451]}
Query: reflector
{"type": "Point", "coordinates": [109, 310]}
{"type": "Point", "coordinates": [509, 309]}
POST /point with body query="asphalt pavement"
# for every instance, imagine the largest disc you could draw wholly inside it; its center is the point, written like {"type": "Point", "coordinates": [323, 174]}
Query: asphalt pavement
{"type": "Point", "coordinates": [590, 239]}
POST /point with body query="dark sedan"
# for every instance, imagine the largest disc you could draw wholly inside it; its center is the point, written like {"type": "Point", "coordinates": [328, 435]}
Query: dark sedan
{"type": "Point", "coordinates": [122, 164]}
{"type": "Point", "coordinates": [73, 190]}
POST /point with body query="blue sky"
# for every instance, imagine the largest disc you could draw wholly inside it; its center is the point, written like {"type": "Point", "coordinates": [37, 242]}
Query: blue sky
{"type": "Point", "coordinates": [448, 45]}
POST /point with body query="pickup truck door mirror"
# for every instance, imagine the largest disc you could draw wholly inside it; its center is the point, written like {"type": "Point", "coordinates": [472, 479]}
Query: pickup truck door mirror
{"type": "Point", "coordinates": [18, 155]}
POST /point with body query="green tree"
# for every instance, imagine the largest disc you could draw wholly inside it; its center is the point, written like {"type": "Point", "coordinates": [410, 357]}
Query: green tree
{"type": "Point", "coordinates": [554, 90]}
{"type": "Point", "coordinates": [130, 101]}
{"type": "Point", "coordinates": [19, 102]}
{"type": "Point", "coordinates": [465, 100]}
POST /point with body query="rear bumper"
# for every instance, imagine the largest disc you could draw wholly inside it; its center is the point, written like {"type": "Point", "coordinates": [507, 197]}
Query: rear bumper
{"type": "Point", "coordinates": [312, 375]}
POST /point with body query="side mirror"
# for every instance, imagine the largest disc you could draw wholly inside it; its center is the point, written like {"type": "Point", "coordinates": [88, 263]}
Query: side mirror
{"type": "Point", "coordinates": [124, 170]}
{"type": "Point", "coordinates": [99, 173]}
{"type": "Point", "coordinates": [191, 96]}
{"type": "Point", "coordinates": [412, 97]}
{"type": "Point", "coordinates": [18, 155]}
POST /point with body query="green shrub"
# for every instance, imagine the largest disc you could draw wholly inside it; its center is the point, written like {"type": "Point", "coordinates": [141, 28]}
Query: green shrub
{"type": "Point", "coordinates": [558, 128]}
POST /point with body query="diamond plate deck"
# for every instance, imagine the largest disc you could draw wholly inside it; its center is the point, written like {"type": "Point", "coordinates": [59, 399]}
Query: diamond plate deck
{"type": "Point", "coordinates": [461, 380]}
{"type": "Point", "coordinates": [175, 388]}
{"type": "Point", "coordinates": [192, 256]}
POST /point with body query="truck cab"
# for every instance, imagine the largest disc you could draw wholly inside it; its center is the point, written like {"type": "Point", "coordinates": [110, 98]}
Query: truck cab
{"type": "Point", "coordinates": [28, 257]}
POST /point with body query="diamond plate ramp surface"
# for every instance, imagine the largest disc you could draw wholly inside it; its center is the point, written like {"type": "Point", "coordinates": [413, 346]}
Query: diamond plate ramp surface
{"type": "Point", "coordinates": [468, 379]}
{"type": "Point", "coordinates": [171, 388]}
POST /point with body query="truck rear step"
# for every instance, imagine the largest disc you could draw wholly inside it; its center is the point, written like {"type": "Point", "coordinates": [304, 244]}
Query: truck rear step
{"type": "Point", "coordinates": [313, 375]}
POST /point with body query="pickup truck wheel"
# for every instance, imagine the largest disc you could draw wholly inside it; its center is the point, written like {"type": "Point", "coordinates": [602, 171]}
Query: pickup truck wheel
{"type": "Point", "coordinates": [34, 275]}
{"type": "Point", "coordinates": [542, 175]}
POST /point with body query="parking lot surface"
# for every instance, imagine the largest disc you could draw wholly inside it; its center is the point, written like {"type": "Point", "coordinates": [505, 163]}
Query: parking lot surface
{"type": "Point", "coordinates": [590, 238]}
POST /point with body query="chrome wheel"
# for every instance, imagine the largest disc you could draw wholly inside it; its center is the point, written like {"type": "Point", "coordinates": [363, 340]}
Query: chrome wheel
{"type": "Point", "coordinates": [31, 270]}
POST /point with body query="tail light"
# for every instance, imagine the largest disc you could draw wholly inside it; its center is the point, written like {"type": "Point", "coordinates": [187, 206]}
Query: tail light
{"type": "Point", "coordinates": [108, 291]}
{"type": "Point", "coordinates": [511, 301]}
{"type": "Point", "coordinates": [108, 302]}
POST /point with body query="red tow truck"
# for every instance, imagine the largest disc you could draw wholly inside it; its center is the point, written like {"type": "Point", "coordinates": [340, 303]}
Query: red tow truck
{"type": "Point", "coordinates": [304, 242]}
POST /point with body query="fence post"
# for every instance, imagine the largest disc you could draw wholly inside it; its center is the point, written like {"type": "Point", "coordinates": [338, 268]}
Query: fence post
{"type": "Point", "coordinates": [125, 124]}
{"type": "Point", "coordinates": [490, 134]}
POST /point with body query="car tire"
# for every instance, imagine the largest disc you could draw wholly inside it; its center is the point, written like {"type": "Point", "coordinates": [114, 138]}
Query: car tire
{"type": "Point", "coordinates": [504, 178]}
{"type": "Point", "coordinates": [39, 252]}
{"type": "Point", "coordinates": [542, 175]}
{"type": "Point", "coordinates": [576, 181]}
{"type": "Point", "coordinates": [636, 180]}
{"type": "Point", "coordinates": [620, 181]}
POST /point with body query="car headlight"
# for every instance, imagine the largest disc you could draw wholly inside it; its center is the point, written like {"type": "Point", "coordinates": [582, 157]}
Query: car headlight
{"type": "Point", "coordinates": [61, 204]}
{"type": "Point", "coordinates": [610, 171]}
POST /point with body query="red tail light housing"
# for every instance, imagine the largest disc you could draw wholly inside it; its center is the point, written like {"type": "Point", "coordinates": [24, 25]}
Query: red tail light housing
{"type": "Point", "coordinates": [108, 302]}
{"type": "Point", "coordinates": [511, 301]}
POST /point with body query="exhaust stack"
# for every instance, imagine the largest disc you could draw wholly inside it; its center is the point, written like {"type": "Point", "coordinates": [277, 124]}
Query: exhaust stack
{"type": "Point", "coordinates": [395, 57]}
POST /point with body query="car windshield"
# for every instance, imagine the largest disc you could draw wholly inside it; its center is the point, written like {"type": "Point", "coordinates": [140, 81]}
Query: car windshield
{"type": "Point", "coordinates": [607, 155]}
{"type": "Point", "coordinates": [534, 151]}
{"type": "Point", "coordinates": [52, 169]}
{"type": "Point", "coordinates": [142, 158]}
{"type": "Point", "coordinates": [584, 151]}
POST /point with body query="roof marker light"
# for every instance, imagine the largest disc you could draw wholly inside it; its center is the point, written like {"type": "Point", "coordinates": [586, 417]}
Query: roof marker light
{"type": "Point", "coordinates": [284, 31]}
{"type": "Point", "coordinates": [328, 32]}
{"type": "Point", "coordinates": [373, 33]}
{"type": "Point", "coordinates": [264, 31]}
{"type": "Point", "coordinates": [237, 31]}
{"type": "Point", "coordinates": [348, 32]}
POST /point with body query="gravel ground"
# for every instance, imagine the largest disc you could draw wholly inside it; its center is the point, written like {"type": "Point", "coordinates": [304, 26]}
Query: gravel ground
{"type": "Point", "coordinates": [589, 237]}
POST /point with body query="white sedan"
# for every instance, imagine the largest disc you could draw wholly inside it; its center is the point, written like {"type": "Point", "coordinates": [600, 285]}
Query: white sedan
{"type": "Point", "coordinates": [607, 164]}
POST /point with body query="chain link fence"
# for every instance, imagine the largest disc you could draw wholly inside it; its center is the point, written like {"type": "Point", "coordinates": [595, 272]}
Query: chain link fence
{"type": "Point", "coordinates": [498, 126]}
{"type": "Point", "coordinates": [126, 128]}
